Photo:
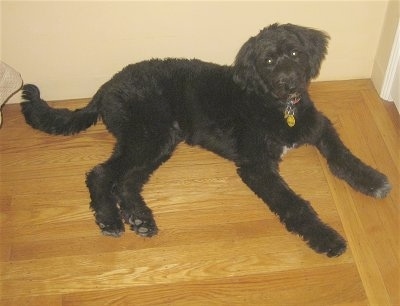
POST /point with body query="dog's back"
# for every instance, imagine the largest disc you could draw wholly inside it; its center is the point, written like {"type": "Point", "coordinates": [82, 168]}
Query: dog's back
{"type": "Point", "coordinates": [177, 87]}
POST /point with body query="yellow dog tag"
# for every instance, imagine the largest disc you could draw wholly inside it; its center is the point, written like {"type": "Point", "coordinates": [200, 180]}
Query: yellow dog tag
{"type": "Point", "coordinates": [290, 120]}
{"type": "Point", "coordinates": [289, 116]}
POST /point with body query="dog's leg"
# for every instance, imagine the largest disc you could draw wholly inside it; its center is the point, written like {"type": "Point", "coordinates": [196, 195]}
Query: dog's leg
{"type": "Point", "coordinates": [294, 212]}
{"type": "Point", "coordinates": [119, 181]}
{"type": "Point", "coordinates": [145, 155]}
{"type": "Point", "coordinates": [134, 210]}
{"type": "Point", "coordinates": [348, 167]}
{"type": "Point", "coordinates": [100, 181]}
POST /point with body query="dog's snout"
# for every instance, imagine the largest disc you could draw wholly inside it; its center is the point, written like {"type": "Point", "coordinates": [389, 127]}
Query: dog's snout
{"type": "Point", "coordinates": [287, 83]}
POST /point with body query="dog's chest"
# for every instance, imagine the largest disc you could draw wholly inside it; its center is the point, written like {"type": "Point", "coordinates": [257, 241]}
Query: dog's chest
{"type": "Point", "coordinates": [286, 149]}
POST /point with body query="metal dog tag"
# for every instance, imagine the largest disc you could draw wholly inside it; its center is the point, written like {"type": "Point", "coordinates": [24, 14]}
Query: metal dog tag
{"type": "Point", "coordinates": [289, 116]}
{"type": "Point", "coordinates": [290, 120]}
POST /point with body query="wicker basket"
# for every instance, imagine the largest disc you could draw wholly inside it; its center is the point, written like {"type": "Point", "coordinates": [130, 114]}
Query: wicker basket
{"type": "Point", "coordinates": [10, 83]}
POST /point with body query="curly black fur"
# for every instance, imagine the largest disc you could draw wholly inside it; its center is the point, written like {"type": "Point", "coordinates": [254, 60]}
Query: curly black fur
{"type": "Point", "coordinates": [236, 111]}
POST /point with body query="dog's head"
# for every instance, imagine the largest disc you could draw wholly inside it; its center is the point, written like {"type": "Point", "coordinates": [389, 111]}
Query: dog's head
{"type": "Point", "coordinates": [281, 60]}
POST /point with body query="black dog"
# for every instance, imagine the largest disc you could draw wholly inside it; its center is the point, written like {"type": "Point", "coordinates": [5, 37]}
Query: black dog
{"type": "Point", "coordinates": [249, 113]}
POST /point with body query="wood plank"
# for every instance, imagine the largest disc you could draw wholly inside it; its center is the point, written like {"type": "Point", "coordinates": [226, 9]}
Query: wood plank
{"type": "Point", "coordinates": [271, 289]}
{"type": "Point", "coordinates": [160, 265]}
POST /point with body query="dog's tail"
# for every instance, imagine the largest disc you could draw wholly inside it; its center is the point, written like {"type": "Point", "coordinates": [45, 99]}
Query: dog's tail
{"type": "Point", "coordinates": [41, 116]}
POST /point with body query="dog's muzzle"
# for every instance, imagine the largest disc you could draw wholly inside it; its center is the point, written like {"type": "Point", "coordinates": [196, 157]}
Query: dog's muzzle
{"type": "Point", "coordinates": [294, 98]}
{"type": "Point", "coordinates": [286, 89]}
{"type": "Point", "coordinates": [288, 84]}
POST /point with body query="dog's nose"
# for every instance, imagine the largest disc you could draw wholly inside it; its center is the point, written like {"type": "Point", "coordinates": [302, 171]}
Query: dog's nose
{"type": "Point", "coordinates": [288, 84]}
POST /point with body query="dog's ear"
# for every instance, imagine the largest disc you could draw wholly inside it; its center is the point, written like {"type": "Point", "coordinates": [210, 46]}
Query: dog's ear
{"type": "Point", "coordinates": [244, 68]}
{"type": "Point", "coordinates": [315, 43]}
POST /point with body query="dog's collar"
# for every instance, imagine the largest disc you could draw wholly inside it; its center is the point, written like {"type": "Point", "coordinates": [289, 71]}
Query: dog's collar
{"type": "Point", "coordinates": [290, 110]}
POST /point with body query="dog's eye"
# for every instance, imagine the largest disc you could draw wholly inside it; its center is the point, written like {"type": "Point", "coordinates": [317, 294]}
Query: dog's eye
{"type": "Point", "coordinates": [294, 53]}
{"type": "Point", "coordinates": [269, 60]}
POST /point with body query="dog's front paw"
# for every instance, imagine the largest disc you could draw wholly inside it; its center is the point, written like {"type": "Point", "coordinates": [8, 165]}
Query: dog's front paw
{"type": "Point", "coordinates": [373, 183]}
{"type": "Point", "coordinates": [327, 241]}
{"type": "Point", "coordinates": [142, 224]}
{"type": "Point", "coordinates": [382, 191]}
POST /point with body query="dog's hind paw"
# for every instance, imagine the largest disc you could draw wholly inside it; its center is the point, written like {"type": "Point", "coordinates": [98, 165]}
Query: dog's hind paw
{"type": "Point", "coordinates": [144, 228]}
{"type": "Point", "coordinates": [114, 230]}
{"type": "Point", "coordinates": [143, 225]}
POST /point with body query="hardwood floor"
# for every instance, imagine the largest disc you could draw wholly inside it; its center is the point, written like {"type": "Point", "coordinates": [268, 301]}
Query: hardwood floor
{"type": "Point", "coordinates": [218, 243]}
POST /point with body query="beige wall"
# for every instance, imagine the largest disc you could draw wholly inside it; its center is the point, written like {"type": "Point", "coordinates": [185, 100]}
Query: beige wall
{"type": "Point", "coordinates": [70, 48]}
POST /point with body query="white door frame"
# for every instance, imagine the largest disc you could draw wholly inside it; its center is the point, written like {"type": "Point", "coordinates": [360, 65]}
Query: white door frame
{"type": "Point", "coordinates": [391, 87]}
